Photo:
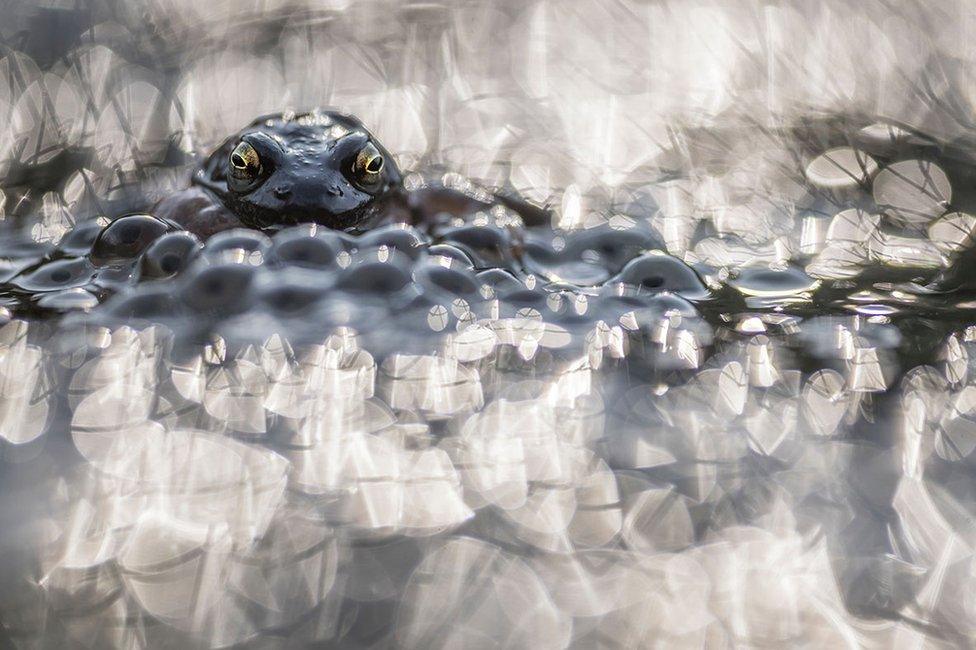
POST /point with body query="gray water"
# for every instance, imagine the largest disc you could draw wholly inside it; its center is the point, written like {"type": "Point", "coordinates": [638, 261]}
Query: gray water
{"type": "Point", "coordinates": [781, 456]}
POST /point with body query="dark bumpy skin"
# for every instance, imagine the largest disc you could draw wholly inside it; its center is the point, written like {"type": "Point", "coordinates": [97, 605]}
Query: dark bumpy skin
{"type": "Point", "coordinates": [320, 166]}
{"type": "Point", "coordinates": [197, 211]}
{"type": "Point", "coordinates": [306, 172]}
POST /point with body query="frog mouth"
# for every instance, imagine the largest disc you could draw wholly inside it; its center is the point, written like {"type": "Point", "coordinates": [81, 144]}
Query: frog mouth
{"type": "Point", "coordinates": [263, 218]}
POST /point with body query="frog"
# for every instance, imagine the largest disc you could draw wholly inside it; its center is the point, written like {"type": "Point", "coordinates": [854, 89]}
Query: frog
{"type": "Point", "coordinates": [318, 166]}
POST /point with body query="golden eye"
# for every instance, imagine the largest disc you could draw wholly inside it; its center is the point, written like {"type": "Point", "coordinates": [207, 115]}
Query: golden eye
{"type": "Point", "coordinates": [245, 163]}
{"type": "Point", "coordinates": [368, 165]}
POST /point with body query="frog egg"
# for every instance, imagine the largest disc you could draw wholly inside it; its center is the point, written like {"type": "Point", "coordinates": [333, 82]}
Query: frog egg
{"type": "Point", "coordinates": [497, 283]}
{"type": "Point", "coordinates": [239, 245]}
{"type": "Point", "coordinates": [774, 282]}
{"type": "Point", "coordinates": [654, 273]}
{"type": "Point", "coordinates": [79, 240]}
{"type": "Point", "coordinates": [291, 292]}
{"type": "Point", "coordinates": [447, 255]}
{"type": "Point", "coordinates": [56, 275]}
{"type": "Point", "coordinates": [76, 299]}
{"type": "Point", "coordinates": [168, 255]}
{"type": "Point", "coordinates": [375, 275]}
{"type": "Point", "coordinates": [154, 302]}
{"type": "Point", "coordinates": [584, 274]}
{"type": "Point", "coordinates": [222, 288]}
{"type": "Point", "coordinates": [487, 245]}
{"type": "Point", "coordinates": [306, 248]}
{"type": "Point", "coordinates": [611, 247]}
{"type": "Point", "coordinates": [527, 303]}
{"type": "Point", "coordinates": [126, 237]}
{"type": "Point", "coordinates": [456, 282]}
{"type": "Point", "coordinates": [406, 239]}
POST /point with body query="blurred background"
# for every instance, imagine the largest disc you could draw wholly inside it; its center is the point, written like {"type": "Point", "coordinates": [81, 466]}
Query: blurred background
{"type": "Point", "coordinates": [542, 95]}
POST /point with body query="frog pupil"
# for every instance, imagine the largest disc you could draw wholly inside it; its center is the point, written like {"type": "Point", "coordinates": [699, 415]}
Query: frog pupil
{"type": "Point", "coordinates": [375, 165]}
{"type": "Point", "coordinates": [238, 161]}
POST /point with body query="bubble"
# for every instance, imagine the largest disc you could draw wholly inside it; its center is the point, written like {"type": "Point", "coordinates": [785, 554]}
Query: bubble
{"type": "Point", "coordinates": [841, 168]}
{"type": "Point", "coordinates": [825, 401]}
{"type": "Point", "coordinates": [913, 192]}
{"type": "Point", "coordinates": [852, 226]}
{"type": "Point", "coordinates": [911, 252]}
{"type": "Point", "coordinates": [953, 232]}
{"type": "Point", "coordinates": [135, 131]}
{"type": "Point", "coordinates": [883, 139]}
{"type": "Point", "coordinates": [656, 520]}
{"type": "Point", "coordinates": [957, 433]}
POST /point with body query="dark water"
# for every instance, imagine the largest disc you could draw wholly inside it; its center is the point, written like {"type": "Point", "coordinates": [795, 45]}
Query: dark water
{"type": "Point", "coordinates": [722, 400]}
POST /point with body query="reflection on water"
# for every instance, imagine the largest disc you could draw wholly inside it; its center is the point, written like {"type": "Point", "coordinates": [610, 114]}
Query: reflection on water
{"type": "Point", "coordinates": [724, 400]}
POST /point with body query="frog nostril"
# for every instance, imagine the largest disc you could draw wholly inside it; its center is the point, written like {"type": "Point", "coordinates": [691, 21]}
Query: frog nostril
{"type": "Point", "coordinates": [282, 192]}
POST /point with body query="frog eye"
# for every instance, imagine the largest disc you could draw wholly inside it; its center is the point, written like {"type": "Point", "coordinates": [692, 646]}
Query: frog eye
{"type": "Point", "coordinates": [245, 164]}
{"type": "Point", "coordinates": [368, 165]}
